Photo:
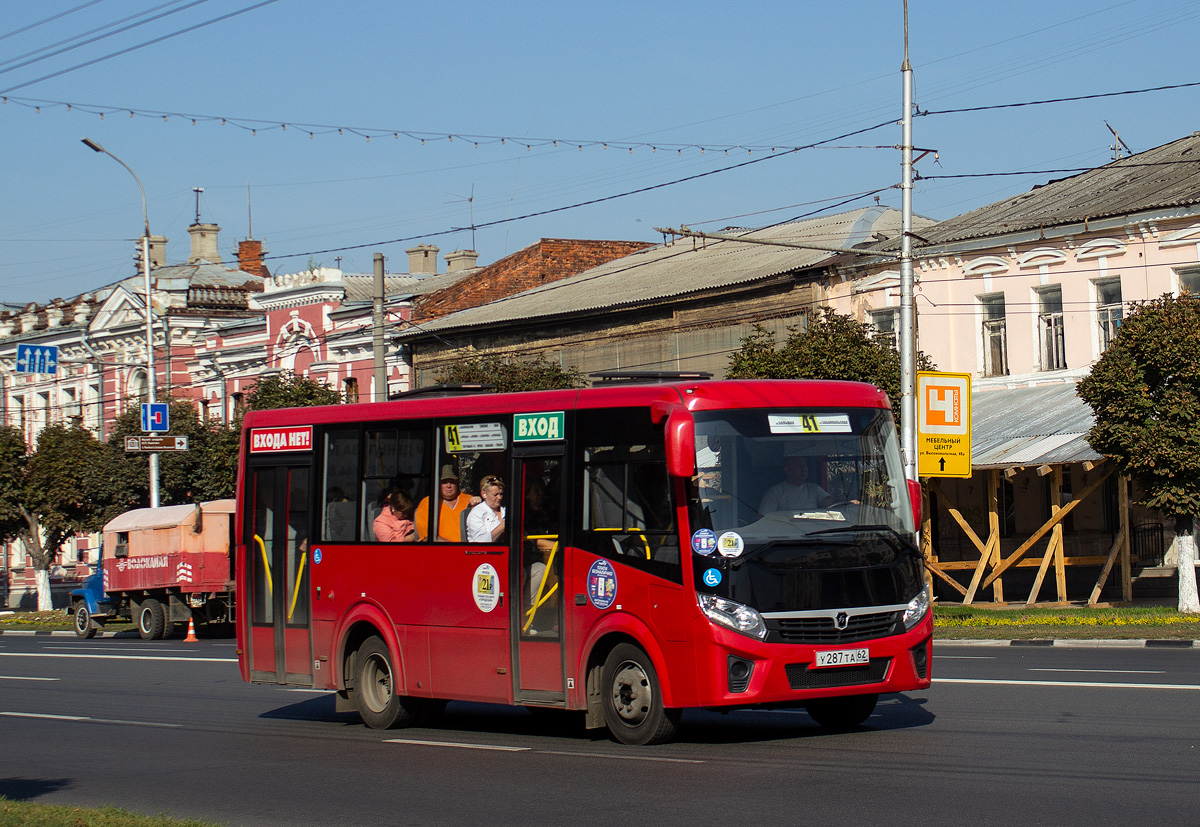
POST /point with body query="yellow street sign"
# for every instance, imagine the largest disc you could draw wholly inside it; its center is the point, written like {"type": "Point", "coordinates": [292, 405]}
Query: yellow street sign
{"type": "Point", "coordinates": [943, 424]}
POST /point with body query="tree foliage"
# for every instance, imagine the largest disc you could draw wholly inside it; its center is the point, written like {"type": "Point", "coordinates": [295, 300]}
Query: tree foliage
{"type": "Point", "coordinates": [829, 346]}
{"type": "Point", "coordinates": [535, 373]}
{"type": "Point", "coordinates": [1145, 392]}
{"type": "Point", "coordinates": [290, 390]}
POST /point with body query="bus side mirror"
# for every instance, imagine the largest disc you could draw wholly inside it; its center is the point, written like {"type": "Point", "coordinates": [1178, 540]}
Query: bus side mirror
{"type": "Point", "coordinates": [914, 496]}
{"type": "Point", "coordinates": [680, 436]}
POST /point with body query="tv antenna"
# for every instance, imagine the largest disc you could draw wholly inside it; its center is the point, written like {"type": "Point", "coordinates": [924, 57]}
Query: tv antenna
{"type": "Point", "coordinates": [197, 190]}
{"type": "Point", "coordinates": [470, 199]}
{"type": "Point", "coordinates": [1117, 144]}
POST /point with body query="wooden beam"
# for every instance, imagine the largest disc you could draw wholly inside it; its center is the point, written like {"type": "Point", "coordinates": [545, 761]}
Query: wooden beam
{"type": "Point", "coordinates": [1082, 560]}
{"type": "Point", "coordinates": [1041, 532]}
{"type": "Point", "coordinates": [1043, 470]}
{"type": "Point", "coordinates": [1042, 569]}
{"type": "Point", "coordinates": [947, 578]}
{"type": "Point", "coordinates": [958, 518]}
{"type": "Point", "coordinates": [993, 481]}
{"type": "Point", "coordinates": [1009, 473]}
{"type": "Point", "coordinates": [1060, 573]}
{"type": "Point", "coordinates": [1117, 545]}
{"type": "Point", "coordinates": [1126, 549]}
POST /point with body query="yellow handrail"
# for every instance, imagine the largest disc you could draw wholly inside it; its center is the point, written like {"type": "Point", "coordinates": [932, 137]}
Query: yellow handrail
{"type": "Point", "coordinates": [645, 542]}
{"type": "Point", "coordinates": [299, 580]}
{"type": "Point", "coordinates": [266, 563]}
{"type": "Point", "coordinates": [538, 598]}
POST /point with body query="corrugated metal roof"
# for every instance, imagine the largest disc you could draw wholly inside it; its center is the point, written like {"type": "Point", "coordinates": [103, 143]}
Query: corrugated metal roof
{"type": "Point", "coordinates": [1019, 427]}
{"type": "Point", "coordinates": [679, 268]}
{"type": "Point", "coordinates": [1166, 176]}
{"type": "Point", "coordinates": [361, 287]}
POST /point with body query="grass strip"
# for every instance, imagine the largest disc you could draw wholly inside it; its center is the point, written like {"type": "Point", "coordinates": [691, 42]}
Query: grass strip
{"type": "Point", "coordinates": [26, 814]}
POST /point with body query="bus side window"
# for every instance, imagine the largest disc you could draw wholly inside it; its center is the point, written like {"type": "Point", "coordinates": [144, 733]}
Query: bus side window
{"type": "Point", "coordinates": [339, 509]}
{"type": "Point", "coordinates": [394, 458]}
{"type": "Point", "coordinates": [626, 504]}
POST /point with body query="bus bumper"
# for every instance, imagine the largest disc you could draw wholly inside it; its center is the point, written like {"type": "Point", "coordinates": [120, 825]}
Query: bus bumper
{"type": "Point", "coordinates": [739, 671]}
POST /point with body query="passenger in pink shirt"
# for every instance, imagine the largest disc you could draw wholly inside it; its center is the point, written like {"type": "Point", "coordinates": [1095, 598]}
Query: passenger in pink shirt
{"type": "Point", "coordinates": [394, 523]}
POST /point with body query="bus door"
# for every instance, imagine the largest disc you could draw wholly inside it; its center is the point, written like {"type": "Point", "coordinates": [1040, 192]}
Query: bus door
{"type": "Point", "coordinates": [538, 536]}
{"type": "Point", "coordinates": [277, 549]}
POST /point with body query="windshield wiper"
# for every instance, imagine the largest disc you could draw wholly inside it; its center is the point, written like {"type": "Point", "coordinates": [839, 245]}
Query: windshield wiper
{"type": "Point", "coordinates": [877, 527]}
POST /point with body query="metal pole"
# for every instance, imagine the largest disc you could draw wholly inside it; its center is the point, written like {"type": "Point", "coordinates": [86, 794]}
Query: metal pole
{"type": "Point", "coordinates": [377, 321]}
{"type": "Point", "coordinates": [908, 360]}
{"type": "Point", "coordinates": [150, 377]}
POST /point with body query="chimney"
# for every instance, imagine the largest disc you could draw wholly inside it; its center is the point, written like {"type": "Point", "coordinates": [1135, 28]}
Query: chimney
{"type": "Point", "coordinates": [250, 254]}
{"type": "Point", "coordinates": [158, 253]}
{"type": "Point", "coordinates": [460, 260]}
{"type": "Point", "coordinates": [422, 260]}
{"type": "Point", "coordinates": [204, 243]}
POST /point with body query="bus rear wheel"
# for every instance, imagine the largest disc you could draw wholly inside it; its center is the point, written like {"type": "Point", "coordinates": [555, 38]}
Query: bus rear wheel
{"type": "Point", "coordinates": [842, 713]}
{"type": "Point", "coordinates": [375, 688]}
{"type": "Point", "coordinates": [152, 620]}
{"type": "Point", "coordinates": [83, 621]}
{"type": "Point", "coordinates": [633, 707]}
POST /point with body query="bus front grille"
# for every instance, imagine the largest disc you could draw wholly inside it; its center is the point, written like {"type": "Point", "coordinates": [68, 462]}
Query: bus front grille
{"type": "Point", "coordinates": [824, 630]}
{"type": "Point", "coordinates": [802, 676]}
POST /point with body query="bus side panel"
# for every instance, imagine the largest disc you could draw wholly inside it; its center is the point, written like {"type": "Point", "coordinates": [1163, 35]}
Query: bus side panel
{"type": "Point", "coordinates": [262, 648]}
{"type": "Point", "coordinates": [324, 674]}
{"type": "Point", "coordinates": [468, 635]}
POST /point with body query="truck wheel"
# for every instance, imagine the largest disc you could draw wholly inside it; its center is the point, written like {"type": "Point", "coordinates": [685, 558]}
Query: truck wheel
{"type": "Point", "coordinates": [633, 707]}
{"type": "Point", "coordinates": [375, 688]}
{"type": "Point", "coordinates": [83, 621]}
{"type": "Point", "coordinates": [152, 621]}
{"type": "Point", "coordinates": [842, 713]}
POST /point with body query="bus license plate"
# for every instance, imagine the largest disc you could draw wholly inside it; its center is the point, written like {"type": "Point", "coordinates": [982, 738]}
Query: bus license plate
{"type": "Point", "coordinates": [843, 657]}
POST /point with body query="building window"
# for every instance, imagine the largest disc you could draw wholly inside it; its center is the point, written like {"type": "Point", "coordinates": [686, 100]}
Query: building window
{"type": "Point", "coordinates": [887, 326]}
{"type": "Point", "coordinates": [350, 390]}
{"type": "Point", "coordinates": [239, 402]}
{"type": "Point", "coordinates": [1189, 279]}
{"type": "Point", "coordinates": [995, 335]}
{"type": "Point", "coordinates": [1052, 337]}
{"type": "Point", "coordinates": [71, 407]}
{"type": "Point", "coordinates": [1108, 310]}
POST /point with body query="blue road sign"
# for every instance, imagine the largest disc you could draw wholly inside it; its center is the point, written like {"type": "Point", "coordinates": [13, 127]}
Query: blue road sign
{"type": "Point", "coordinates": [155, 417]}
{"type": "Point", "coordinates": [37, 359]}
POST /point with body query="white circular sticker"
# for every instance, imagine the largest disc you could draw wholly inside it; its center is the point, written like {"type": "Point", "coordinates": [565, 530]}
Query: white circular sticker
{"type": "Point", "coordinates": [730, 544]}
{"type": "Point", "coordinates": [486, 587]}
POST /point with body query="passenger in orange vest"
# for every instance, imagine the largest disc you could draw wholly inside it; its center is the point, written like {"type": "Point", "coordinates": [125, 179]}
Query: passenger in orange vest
{"type": "Point", "coordinates": [453, 503]}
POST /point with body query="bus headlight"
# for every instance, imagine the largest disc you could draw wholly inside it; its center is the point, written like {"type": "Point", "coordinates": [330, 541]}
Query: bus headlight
{"type": "Point", "coordinates": [916, 609]}
{"type": "Point", "coordinates": [733, 615]}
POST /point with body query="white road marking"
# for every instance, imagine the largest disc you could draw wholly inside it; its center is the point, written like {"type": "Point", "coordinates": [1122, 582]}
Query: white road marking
{"type": "Point", "coordinates": [311, 691]}
{"type": "Point", "coordinates": [20, 678]}
{"type": "Point", "coordinates": [86, 719]}
{"type": "Point", "coordinates": [1077, 684]}
{"type": "Point", "coordinates": [966, 657]}
{"type": "Point", "coordinates": [621, 757]}
{"type": "Point", "coordinates": [113, 657]}
{"type": "Point", "coordinates": [1102, 671]}
{"type": "Point", "coordinates": [494, 747]}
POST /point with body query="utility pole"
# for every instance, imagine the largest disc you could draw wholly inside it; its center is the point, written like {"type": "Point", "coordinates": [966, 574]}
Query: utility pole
{"type": "Point", "coordinates": [908, 360]}
{"type": "Point", "coordinates": [377, 320]}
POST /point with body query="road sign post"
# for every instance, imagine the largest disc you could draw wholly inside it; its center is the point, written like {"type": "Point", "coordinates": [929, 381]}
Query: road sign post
{"type": "Point", "coordinates": [943, 424]}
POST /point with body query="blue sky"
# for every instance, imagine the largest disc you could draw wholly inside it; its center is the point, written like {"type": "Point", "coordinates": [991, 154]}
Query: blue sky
{"type": "Point", "coordinates": [712, 74]}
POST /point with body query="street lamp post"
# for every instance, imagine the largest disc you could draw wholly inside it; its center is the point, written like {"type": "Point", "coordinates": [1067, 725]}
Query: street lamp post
{"type": "Point", "coordinates": [150, 380]}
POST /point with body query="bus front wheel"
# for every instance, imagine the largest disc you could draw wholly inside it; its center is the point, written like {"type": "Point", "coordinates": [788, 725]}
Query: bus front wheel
{"type": "Point", "coordinates": [375, 688]}
{"type": "Point", "coordinates": [633, 707]}
{"type": "Point", "coordinates": [842, 713]}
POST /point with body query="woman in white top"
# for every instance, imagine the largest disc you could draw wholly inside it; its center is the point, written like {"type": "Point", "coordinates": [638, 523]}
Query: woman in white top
{"type": "Point", "coordinates": [485, 523]}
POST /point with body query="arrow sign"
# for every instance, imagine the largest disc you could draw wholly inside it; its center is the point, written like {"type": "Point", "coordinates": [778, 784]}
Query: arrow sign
{"type": "Point", "coordinates": [34, 359]}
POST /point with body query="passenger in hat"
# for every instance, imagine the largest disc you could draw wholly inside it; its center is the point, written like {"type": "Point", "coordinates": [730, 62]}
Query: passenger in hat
{"type": "Point", "coordinates": [453, 503]}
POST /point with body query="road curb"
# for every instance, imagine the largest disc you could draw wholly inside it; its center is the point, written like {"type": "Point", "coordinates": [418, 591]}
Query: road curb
{"type": "Point", "coordinates": [49, 633]}
{"type": "Point", "coordinates": [1153, 643]}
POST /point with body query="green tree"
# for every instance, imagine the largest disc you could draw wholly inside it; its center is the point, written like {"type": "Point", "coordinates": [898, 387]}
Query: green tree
{"type": "Point", "coordinates": [1145, 392]}
{"type": "Point", "coordinates": [534, 373]}
{"type": "Point", "coordinates": [289, 390]}
{"type": "Point", "coordinates": [49, 495]}
{"type": "Point", "coordinates": [829, 346]}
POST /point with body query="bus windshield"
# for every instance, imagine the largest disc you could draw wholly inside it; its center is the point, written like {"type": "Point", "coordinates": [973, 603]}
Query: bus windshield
{"type": "Point", "coordinates": [808, 508]}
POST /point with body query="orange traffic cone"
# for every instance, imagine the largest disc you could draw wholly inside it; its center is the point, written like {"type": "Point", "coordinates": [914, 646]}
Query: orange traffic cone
{"type": "Point", "coordinates": [191, 635]}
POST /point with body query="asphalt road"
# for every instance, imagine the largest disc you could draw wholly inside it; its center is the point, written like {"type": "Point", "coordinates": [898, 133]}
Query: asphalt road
{"type": "Point", "coordinates": [1006, 735]}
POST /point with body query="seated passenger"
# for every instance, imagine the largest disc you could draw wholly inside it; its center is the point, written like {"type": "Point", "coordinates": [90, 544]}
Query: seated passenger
{"type": "Point", "coordinates": [795, 493]}
{"type": "Point", "coordinates": [453, 502]}
{"type": "Point", "coordinates": [485, 523]}
{"type": "Point", "coordinates": [394, 523]}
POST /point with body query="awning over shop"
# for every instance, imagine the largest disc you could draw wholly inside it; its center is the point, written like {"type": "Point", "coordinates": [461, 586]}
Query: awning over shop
{"type": "Point", "coordinates": [1022, 427]}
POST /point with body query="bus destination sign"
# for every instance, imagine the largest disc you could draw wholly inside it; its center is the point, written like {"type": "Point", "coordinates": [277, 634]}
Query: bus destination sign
{"type": "Point", "coordinates": [475, 436]}
{"type": "Point", "coordinates": [273, 440]}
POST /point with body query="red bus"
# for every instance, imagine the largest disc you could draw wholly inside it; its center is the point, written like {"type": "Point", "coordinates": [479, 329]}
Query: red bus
{"type": "Point", "coordinates": [716, 544]}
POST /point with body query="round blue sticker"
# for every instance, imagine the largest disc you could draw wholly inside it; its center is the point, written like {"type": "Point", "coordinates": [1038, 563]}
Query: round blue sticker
{"type": "Point", "coordinates": [712, 577]}
{"type": "Point", "coordinates": [316, 556]}
{"type": "Point", "coordinates": [704, 541]}
{"type": "Point", "coordinates": [602, 584]}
